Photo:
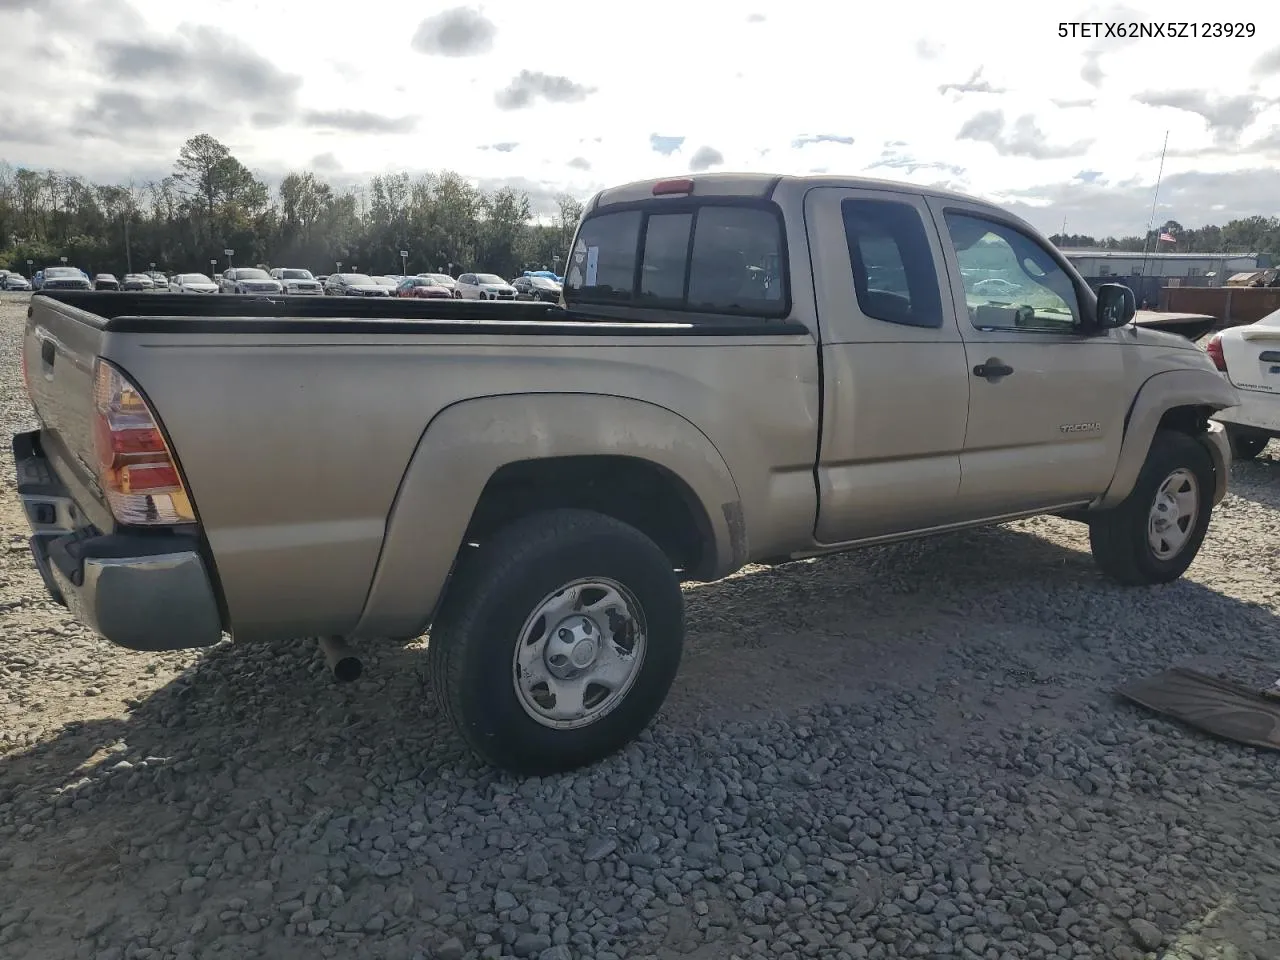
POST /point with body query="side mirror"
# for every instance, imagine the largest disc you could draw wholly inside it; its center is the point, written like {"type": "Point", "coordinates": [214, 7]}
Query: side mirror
{"type": "Point", "coordinates": [1116, 306]}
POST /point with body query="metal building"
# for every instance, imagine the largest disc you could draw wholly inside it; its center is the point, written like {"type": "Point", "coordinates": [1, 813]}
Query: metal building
{"type": "Point", "coordinates": [1185, 269]}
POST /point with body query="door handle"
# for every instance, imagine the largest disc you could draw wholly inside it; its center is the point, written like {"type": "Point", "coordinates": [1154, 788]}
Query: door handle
{"type": "Point", "coordinates": [48, 353]}
{"type": "Point", "coordinates": [992, 370]}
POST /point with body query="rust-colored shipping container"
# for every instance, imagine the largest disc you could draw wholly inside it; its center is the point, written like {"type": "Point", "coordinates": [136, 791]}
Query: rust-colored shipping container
{"type": "Point", "coordinates": [1233, 306]}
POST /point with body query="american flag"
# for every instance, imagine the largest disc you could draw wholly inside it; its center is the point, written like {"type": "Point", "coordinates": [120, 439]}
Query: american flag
{"type": "Point", "coordinates": [1168, 238]}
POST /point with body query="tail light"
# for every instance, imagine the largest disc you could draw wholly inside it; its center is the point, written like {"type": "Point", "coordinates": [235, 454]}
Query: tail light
{"type": "Point", "coordinates": [136, 469]}
{"type": "Point", "coordinates": [1214, 349]}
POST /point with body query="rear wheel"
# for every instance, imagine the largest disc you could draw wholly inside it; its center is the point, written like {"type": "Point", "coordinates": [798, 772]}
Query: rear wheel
{"type": "Point", "coordinates": [1156, 532]}
{"type": "Point", "coordinates": [1246, 443]}
{"type": "Point", "coordinates": [557, 641]}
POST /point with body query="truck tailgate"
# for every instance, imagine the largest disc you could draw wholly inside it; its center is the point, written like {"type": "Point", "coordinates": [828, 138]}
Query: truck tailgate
{"type": "Point", "coordinates": [59, 349]}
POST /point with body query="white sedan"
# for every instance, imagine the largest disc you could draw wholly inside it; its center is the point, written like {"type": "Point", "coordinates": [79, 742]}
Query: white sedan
{"type": "Point", "coordinates": [191, 283]}
{"type": "Point", "coordinates": [1249, 356]}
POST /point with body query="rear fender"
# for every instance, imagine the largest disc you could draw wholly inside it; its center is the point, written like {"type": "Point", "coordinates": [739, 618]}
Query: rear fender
{"type": "Point", "coordinates": [1161, 393]}
{"type": "Point", "coordinates": [465, 444]}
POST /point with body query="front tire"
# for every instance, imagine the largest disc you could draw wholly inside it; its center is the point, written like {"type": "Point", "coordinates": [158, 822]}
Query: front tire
{"type": "Point", "coordinates": [557, 641]}
{"type": "Point", "coordinates": [1155, 533]}
{"type": "Point", "coordinates": [1246, 444]}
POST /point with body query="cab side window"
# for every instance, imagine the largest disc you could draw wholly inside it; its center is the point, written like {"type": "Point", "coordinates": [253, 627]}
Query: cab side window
{"type": "Point", "coordinates": [1010, 280]}
{"type": "Point", "coordinates": [894, 276]}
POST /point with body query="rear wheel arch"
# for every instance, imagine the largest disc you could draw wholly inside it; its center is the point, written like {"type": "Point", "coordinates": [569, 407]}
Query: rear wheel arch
{"type": "Point", "coordinates": [467, 479]}
{"type": "Point", "coordinates": [631, 489]}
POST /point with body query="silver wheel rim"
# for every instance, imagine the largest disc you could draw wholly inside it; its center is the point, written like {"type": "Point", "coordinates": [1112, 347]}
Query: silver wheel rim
{"type": "Point", "coordinates": [1173, 514]}
{"type": "Point", "coordinates": [579, 653]}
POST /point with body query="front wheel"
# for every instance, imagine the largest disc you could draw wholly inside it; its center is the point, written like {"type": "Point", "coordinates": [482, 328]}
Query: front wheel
{"type": "Point", "coordinates": [557, 641]}
{"type": "Point", "coordinates": [1246, 444]}
{"type": "Point", "coordinates": [1155, 533]}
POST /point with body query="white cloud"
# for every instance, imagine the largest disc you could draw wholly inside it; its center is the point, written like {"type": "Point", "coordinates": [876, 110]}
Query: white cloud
{"type": "Point", "coordinates": [622, 95]}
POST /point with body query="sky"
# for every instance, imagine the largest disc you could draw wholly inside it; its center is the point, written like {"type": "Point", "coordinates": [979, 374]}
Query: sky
{"type": "Point", "coordinates": [984, 98]}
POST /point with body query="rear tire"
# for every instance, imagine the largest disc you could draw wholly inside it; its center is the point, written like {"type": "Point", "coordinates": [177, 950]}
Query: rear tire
{"type": "Point", "coordinates": [536, 673]}
{"type": "Point", "coordinates": [1155, 533]}
{"type": "Point", "coordinates": [1246, 443]}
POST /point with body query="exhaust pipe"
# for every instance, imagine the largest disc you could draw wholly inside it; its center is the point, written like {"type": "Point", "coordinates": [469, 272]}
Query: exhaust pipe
{"type": "Point", "coordinates": [340, 659]}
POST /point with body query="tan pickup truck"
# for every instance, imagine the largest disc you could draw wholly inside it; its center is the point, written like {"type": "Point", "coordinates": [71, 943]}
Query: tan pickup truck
{"type": "Point", "coordinates": [744, 369]}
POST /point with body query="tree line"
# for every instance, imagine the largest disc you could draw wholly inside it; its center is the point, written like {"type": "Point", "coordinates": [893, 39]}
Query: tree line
{"type": "Point", "coordinates": [1250, 235]}
{"type": "Point", "coordinates": [212, 202]}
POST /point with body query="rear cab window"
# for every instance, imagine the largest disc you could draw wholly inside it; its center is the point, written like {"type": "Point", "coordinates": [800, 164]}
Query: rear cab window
{"type": "Point", "coordinates": [704, 256]}
{"type": "Point", "coordinates": [894, 277]}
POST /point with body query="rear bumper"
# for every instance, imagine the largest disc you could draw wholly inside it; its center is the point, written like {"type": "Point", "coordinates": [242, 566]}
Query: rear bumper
{"type": "Point", "coordinates": [1215, 439]}
{"type": "Point", "coordinates": [139, 590]}
{"type": "Point", "coordinates": [1260, 411]}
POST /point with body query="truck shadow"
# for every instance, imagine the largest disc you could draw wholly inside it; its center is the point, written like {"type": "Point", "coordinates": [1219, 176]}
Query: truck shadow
{"type": "Point", "coordinates": [999, 613]}
{"type": "Point", "coordinates": [760, 640]}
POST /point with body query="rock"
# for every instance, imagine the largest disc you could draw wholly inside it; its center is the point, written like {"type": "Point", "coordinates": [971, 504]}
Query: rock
{"type": "Point", "coordinates": [531, 944]}
{"type": "Point", "coordinates": [599, 848]}
{"type": "Point", "coordinates": [451, 949]}
{"type": "Point", "coordinates": [1146, 934]}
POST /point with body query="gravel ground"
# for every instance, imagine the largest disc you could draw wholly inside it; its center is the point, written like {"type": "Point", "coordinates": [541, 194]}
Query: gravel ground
{"type": "Point", "coordinates": [904, 752]}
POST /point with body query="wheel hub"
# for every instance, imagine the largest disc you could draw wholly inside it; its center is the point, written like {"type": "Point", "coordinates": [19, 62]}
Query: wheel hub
{"type": "Point", "coordinates": [1171, 520]}
{"type": "Point", "coordinates": [572, 647]}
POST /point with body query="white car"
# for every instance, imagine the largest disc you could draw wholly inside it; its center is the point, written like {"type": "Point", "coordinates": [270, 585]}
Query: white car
{"type": "Point", "coordinates": [297, 282]}
{"type": "Point", "coordinates": [483, 286]}
{"type": "Point", "coordinates": [191, 283]}
{"type": "Point", "coordinates": [248, 281]}
{"type": "Point", "coordinates": [1249, 357]}
{"type": "Point", "coordinates": [995, 287]}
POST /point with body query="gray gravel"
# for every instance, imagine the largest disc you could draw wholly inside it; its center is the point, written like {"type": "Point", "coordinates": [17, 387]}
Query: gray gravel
{"type": "Point", "coordinates": [906, 752]}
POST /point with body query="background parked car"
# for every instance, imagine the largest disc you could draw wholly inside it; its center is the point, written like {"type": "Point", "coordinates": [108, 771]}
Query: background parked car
{"type": "Point", "coordinates": [354, 285]}
{"type": "Point", "coordinates": [536, 288]}
{"type": "Point", "coordinates": [442, 278]}
{"type": "Point", "coordinates": [483, 286]}
{"type": "Point", "coordinates": [389, 282]}
{"type": "Point", "coordinates": [191, 283]}
{"type": "Point", "coordinates": [996, 287]}
{"type": "Point", "coordinates": [106, 281]}
{"type": "Point", "coordinates": [64, 278]}
{"type": "Point", "coordinates": [157, 278]}
{"type": "Point", "coordinates": [424, 288]}
{"type": "Point", "coordinates": [15, 281]}
{"type": "Point", "coordinates": [1249, 357]}
{"type": "Point", "coordinates": [248, 280]}
{"type": "Point", "coordinates": [297, 282]}
{"type": "Point", "coordinates": [136, 281]}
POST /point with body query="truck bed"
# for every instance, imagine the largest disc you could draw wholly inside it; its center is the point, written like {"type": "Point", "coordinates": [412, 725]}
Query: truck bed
{"type": "Point", "coordinates": [334, 449]}
{"type": "Point", "coordinates": [211, 313]}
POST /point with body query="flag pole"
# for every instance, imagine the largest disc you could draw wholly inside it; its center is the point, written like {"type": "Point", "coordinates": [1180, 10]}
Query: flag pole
{"type": "Point", "coordinates": [1146, 244]}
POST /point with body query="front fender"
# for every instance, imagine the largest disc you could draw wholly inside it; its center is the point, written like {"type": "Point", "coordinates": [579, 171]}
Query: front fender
{"type": "Point", "coordinates": [465, 444]}
{"type": "Point", "coordinates": [1160, 394]}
